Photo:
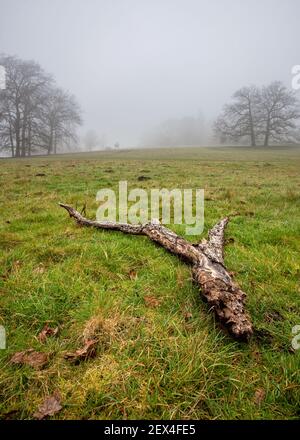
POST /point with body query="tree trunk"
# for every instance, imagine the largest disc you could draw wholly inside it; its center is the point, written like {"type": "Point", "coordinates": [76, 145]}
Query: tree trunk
{"type": "Point", "coordinates": [55, 143]}
{"type": "Point", "coordinates": [252, 136]}
{"type": "Point", "coordinates": [50, 143]}
{"type": "Point", "coordinates": [17, 134]}
{"type": "Point", "coordinates": [29, 138]}
{"type": "Point", "coordinates": [23, 137]}
{"type": "Point", "coordinates": [51, 138]}
{"type": "Point", "coordinates": [11, 139]}
{"type": "Point", "coordinates": [216, 286]}
{"type": "Point", "coordinates": [267, 134]}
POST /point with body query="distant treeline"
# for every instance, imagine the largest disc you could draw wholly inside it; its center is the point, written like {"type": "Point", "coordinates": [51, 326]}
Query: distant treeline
{"type": "Point", "coordinates": [260, 116]}
{"type": "Point", "coordinates": [186, 131]}
{"type": "Point", "coordinates": [36, 116]}
{"type": "Point", "coordinates": [255, 116]}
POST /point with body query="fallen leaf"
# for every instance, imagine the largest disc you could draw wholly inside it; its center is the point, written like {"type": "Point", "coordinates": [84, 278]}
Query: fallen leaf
{"type": "Point", "coordinates": [49, 407]}
{"type": "Point", "coordinates": [151, 301]}
{"type": "Point", "coordinates": [259, 396]}
{"type": "Point", "coordinates": [30, 357]}
{"type": "Point", "coordinates": [132, 275]}
{"type": "Point", "coordinates": [88, 351]}
{"type": "Point", "coordinates": [47, 331]}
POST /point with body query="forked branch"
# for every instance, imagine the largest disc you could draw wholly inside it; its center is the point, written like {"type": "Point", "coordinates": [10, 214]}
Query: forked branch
{"type": "Point", "coordinates": [215, 283]}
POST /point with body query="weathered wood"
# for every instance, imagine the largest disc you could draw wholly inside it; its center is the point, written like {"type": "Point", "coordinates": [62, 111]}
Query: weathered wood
{"type": "Point", "coordinates": [215, 283]}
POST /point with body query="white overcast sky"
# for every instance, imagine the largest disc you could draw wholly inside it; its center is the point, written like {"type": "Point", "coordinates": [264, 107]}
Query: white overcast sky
{"type": "Point", "coordinates": [135, 63]}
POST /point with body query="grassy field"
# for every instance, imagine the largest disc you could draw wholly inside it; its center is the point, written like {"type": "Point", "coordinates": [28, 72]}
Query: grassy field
{"type": "Point", "coordinates": [160, 353]}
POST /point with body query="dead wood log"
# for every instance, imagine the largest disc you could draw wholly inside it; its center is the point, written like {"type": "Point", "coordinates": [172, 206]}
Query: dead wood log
{"type": "Point", "coordinates": [221, 293]}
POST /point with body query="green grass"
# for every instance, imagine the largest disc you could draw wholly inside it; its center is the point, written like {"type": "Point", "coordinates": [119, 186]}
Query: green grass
{"type": "Point", "coordinates": [152, 362]}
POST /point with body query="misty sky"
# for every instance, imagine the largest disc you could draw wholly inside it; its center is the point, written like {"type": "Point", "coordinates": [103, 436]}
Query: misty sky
{"type": "Point", "coordinates": [134, 63]}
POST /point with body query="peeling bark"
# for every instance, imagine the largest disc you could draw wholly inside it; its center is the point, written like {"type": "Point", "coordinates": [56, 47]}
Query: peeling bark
{"type": "Point", "coordinates": [217, 288]}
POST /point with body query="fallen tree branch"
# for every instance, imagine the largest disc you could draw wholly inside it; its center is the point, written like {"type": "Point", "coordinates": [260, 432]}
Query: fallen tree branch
{"type": "Point", "coordinates": [215, 283]}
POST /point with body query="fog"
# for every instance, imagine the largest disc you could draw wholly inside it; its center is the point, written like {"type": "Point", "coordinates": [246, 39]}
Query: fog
{"type": "Point", "coordinates": [133, 64]}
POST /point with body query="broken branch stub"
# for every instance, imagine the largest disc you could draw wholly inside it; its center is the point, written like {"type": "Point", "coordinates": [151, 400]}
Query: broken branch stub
{"type": "Point", "coordinates": [218, 289]}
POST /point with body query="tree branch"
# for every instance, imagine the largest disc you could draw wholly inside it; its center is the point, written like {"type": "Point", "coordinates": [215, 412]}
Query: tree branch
{"type": "Point", "coordinates": [215, 283]}
{"type": "Point", "coordinates": [214, 246]}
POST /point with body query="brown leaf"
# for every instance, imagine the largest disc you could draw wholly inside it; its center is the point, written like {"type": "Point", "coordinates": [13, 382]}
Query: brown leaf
{"type": "Point", "coordinates": [49, 407]}
{"type": "Point", "coordinates": [88, 351]}
{"type": "Point", "coordinates": [259, 396]}
{"type": "Point", "coordinates": [132, 275]}
{"type": "Point", "coordinates": [30, 357]}
{"type": "Point", "coordinates": [151, 301]}
{"type": "Point", "coordinates": [47, 331]}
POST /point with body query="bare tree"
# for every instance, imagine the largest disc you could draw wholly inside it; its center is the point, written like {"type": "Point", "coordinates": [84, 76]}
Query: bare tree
{"type": "Point", "coordinates": [260, 115]}
{"type": "Point", "coordinates": [239, 119]}
{"type": "Point", "coordinates": [59, 119]}
{"type": "Point", "coordinates": [278, 111]}
{"type": "Point", "coordinates": [25, 82]}
{"type": "Point", "coordinates": [34, 115]}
